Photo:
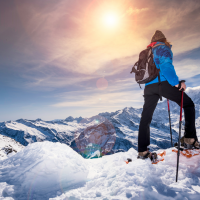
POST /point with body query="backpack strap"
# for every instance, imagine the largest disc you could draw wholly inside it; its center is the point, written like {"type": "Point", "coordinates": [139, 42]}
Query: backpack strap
{"type": "Point", "coordinates": [157, 45]}
{"type": "Point", "coordinates": [150, 54]}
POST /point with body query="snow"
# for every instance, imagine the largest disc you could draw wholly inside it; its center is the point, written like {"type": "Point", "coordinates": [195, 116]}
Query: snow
{"type": "Point", "coordinates": [8, 147]}
{"type": "Point", "coordinates": [41, 170]}
{"type": "Point", "coordinates": [49, 170]}
{"type": "Point", "coordinates": [46, 170]}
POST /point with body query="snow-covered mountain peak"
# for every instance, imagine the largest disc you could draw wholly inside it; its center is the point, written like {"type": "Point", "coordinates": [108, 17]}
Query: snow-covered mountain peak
{"type": "Point", "coordinates": [71, 119]}
{"type": "Point", "coordinates": [8, 147]}
{"type": "Point", "coordinates": [125, 122]}
{"type": "Point", "coordinates": [194, 94]}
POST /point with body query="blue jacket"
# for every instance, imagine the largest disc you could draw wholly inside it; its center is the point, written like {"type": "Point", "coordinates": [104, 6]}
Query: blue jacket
{"type": "Point", "coordinates": [163, 57]}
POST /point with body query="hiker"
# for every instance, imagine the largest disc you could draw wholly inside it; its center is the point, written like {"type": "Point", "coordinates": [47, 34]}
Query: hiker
{"type": "Point", "coordinates": [169, 88]}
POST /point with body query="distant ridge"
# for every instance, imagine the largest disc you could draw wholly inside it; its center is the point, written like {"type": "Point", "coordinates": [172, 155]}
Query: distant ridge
{"type": "Point", "coordinates": [125, 122]}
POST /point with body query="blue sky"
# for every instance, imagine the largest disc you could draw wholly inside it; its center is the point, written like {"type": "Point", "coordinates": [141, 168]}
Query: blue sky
{"type": "Point", "coordinates": [52, 53]}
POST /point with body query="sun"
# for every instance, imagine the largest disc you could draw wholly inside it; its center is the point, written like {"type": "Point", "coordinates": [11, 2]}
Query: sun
{"type": "Point", "coordinates": [111, 19]}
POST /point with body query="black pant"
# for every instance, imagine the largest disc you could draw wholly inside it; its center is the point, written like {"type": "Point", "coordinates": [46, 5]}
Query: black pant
{"type": "Point", "coordinates": [151, 97]}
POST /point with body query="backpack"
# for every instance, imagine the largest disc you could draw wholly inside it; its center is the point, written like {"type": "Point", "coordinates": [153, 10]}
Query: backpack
{"type": "Point", "coordinates": [145, 69]}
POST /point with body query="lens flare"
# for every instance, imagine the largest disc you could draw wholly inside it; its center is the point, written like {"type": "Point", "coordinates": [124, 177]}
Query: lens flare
{"type": "Point", "coordinates": [102, 84]}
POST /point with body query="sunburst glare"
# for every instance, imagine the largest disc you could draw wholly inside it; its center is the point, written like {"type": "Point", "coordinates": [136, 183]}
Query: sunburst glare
{"type": "Point", "coordinates": [111, 19]}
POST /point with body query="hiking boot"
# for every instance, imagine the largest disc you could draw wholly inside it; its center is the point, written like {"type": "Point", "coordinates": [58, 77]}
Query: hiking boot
{"type": "Point", "coordinates": [147, 154]}
{"type": "Point", "coordinates": [191, 143]}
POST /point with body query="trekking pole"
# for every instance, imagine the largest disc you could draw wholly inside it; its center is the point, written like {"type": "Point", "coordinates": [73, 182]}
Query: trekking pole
{"type": "Point", "coordinates": [169, 121]}
{"type": "Point", "coordinates": [179, 135]}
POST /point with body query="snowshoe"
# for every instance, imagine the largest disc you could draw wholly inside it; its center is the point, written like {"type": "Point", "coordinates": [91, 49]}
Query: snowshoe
{"type": "Point", "coordinates": [187, 144]}
{"type": "Point", "coordinates": [189, 147]}
{"type": "Point", "coordinates": [128, 160]}
{"type": "Point", "coordinates": [160, 158]}
{"type": "Point", "coordinates": [188, 153]}
{"type": "Point", "coordinates": [181, 147]}
{"type": "Point", "coordinates": [147, 154]}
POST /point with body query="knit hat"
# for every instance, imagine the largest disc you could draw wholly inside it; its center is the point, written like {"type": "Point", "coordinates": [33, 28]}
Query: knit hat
{"type": "Point", "coordinates": [158, 35]}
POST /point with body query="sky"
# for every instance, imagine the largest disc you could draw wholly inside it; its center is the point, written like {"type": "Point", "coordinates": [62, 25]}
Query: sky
{"type": "Point", "coordinates": [73, 57]}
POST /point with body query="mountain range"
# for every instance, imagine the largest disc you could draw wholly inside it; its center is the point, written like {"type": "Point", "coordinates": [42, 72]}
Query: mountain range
{"type": "Point", "coordinates": [119, 129]}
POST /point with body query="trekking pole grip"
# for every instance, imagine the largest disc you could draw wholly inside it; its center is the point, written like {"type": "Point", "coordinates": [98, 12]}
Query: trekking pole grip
{"type": "Point", "coordinates": [179, 85]}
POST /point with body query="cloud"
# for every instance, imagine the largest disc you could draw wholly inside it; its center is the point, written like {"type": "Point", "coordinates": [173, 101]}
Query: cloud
{"type": "Point", "coordinates": [131, 11]}
{"type": "Point", "coordinates": [186, 68]}
{"type": "Point", "coordinates": [119, 94]}
{"type": "Point", "coordinates": [63, 46]}
{"type": "Point", "coordinates": [191, 54]}
{"type": "Point", "coordinates": [193, 81]}
{"type": "Point", "coordinates": [104, 100]}
{"type": "Point", "coordinates": [55, 78]}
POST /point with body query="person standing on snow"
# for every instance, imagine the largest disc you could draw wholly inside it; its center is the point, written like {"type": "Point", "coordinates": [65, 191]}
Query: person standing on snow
{"type": "Point", "coordinates": [163, 56]}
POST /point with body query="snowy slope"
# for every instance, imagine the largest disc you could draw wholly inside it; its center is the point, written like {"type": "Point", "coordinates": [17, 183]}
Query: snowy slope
{"type": "Point", "coordinates": [41, 170]}
{"type": "Point", "coordinates": [29, 131]}
{"type": "Point", "coordinates": [8, 147]}
{"type": "Point", "coordinates": [46, 170]}
{"type": "Point", "coordinates": [125, 122]}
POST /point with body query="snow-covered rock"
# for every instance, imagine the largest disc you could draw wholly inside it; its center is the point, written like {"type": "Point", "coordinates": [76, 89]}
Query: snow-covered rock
{"type": "Point", "coordinates": [8, 147]}
{"type": "Point", "coordinates": [41, 170]}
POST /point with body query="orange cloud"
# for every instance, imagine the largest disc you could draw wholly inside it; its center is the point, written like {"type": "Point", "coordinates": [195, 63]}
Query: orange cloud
{"type": "Point", "coordinates": [131, 11]}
